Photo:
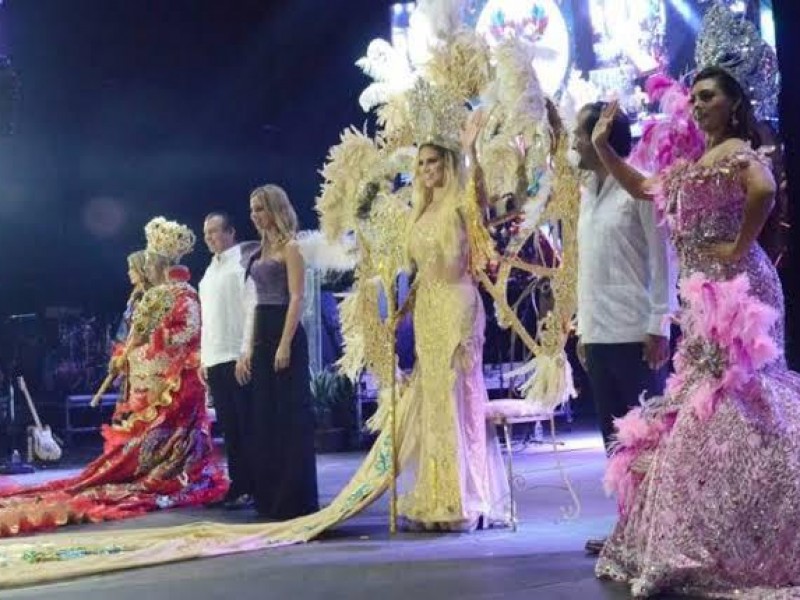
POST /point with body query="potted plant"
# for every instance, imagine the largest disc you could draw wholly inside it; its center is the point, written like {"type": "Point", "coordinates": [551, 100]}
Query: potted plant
{"type": "Point", "coordinates": [334, 410]}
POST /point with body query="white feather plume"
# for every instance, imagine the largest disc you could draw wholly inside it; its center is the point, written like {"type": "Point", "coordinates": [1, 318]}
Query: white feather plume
{"type": "Point", "coordinates": [390, 69]}
{"type": "Point", "coordinates": [444, 16]}
{"type": "Point", "coordinates": [325, 256]}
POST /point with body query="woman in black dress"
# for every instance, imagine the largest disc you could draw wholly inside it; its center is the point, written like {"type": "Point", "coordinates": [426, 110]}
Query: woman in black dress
{"type": "Point", "coordinates": [276, 361]}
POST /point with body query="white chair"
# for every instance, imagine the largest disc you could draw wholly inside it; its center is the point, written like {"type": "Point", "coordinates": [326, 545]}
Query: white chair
{"type": "Point", "coordinates": [507, 413]}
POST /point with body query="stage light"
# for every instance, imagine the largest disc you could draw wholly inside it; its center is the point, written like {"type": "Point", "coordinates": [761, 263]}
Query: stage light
{"type": "Point", "coordinates": [542, 23]}
{"type": "Point", "coordinates": [104, 217]}
{"type": "Point", "coordinates": [685, 10]}
{"type": "Point", "coordinates": [739, 7]}
{"type": "Point", "coordinates": [767, 24]}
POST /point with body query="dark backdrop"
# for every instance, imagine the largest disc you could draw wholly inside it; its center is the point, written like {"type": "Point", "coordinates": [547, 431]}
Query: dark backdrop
{"type": "Point", "coordinates": [134, 108]}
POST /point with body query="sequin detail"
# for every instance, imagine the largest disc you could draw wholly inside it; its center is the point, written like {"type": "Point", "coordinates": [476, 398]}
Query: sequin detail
{"type": "Point", "coordinates": [718, 511]}
{"type": "Point", "coordinates": [452, 472]}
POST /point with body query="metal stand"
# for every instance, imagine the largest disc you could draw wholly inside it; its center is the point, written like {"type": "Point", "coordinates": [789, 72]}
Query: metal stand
{"type": "Point", "coordinates": [393, 418]}
{"type": "Point", "coordinates": [16, 465]}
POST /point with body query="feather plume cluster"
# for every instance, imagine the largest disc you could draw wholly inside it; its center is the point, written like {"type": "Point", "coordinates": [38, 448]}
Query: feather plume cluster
{"type": "Point", "coordinates": [673, 135]}
{"type": "Point", "coordinates": [460, 62]}
{"type": "Point", "coordinates": [389, 69]}
{"type": "Point", "coordinates": [350, 163]}
{"type": "Point", "coordinates": [325, 256]}
{"type": "Point", "coordinates": [727, 342]}
{"type": "Point", "coordinates": [517, 112]}
{"type": "Point", "coordinates": [637, 435]}
{"type": "Point", "coordinates": [442, 16]}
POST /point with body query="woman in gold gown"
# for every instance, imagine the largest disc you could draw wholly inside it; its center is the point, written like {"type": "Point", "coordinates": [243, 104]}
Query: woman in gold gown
{"type": "Point", "coordinates": [450, 470]}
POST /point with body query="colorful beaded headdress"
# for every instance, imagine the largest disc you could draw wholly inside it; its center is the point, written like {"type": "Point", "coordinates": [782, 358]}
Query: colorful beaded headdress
{"type": "Point", "coordinates": [169, 238]}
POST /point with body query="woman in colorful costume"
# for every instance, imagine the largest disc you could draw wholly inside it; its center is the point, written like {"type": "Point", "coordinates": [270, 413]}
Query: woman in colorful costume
{"type": "Point", "coordinates": [450, 476]}
{"type": "Point", "coordinates": [708, 477]}
{"type": "Point", "coordinates": [137, 274]}
{"type": "Point", "coordinates": [158, 449]}
{"type": "Point", "coordinates": [138, 277]}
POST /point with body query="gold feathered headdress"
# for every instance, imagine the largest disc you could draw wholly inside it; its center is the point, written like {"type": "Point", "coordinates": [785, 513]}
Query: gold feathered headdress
{"type": "Point", "coordinates": [169, 239]}
{"type": "Point", "coordinates": [437, 115]}
{"type": "Point", "coordinates": [434, 109]}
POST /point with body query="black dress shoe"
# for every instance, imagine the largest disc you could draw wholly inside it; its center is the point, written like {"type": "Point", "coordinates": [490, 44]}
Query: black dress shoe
{"type": "Point", "coordinates": [217, 503]}
{"type": "Point", "coordinates": [594, 546]}
{"type": "Point", "coordinates": [239, 502]}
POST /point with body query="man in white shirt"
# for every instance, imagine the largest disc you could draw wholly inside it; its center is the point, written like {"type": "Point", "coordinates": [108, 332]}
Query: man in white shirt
{"type": "Point", "coordinates": [224, 304]}
{"type": "Point", "coordinates": [626, 285]}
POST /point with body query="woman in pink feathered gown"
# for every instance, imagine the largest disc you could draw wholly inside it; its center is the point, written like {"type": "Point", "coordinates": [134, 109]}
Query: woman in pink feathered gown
{"type": "Point", "coordinates": [708, 477]}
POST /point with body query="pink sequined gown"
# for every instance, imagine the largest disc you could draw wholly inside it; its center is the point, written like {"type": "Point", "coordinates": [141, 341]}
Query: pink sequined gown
{"type": "Point", "coordinates": [717, 511]}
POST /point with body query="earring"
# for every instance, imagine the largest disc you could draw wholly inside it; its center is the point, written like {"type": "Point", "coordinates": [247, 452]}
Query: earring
{"type": "Point", "coordinates": [735, 121]}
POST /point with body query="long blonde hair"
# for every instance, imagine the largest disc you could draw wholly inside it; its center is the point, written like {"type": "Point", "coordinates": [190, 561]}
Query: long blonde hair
{"type": "Point", "coordinates": [452, 192]}
{"type": "Point", "coordinates": [136, 262]}
{"type": "Point", "coordinates": [284, 219]}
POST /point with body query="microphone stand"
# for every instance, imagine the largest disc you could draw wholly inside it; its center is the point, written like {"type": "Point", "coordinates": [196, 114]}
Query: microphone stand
{"type": "Point", "coordinates": [16, 464]}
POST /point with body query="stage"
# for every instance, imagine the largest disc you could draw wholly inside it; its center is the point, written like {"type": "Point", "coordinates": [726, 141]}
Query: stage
{"type": "Point", "coordinates": [543, 560]}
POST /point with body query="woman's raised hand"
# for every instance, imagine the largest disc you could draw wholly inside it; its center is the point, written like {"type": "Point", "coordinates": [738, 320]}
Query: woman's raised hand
{"type": "Point", "coordinates": [475, 124]}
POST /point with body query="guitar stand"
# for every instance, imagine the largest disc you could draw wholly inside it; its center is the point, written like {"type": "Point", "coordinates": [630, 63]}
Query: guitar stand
{"type": "Point", "coordinates": [16, 466]}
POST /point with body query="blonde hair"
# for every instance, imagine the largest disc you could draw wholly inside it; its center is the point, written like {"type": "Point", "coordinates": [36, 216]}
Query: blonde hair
{"type": "Point", "coordinates": [275, 201]}
{"type": "Point", "coordinates": [136, 262]}
{"type": "Point", "coordinates": [453, 189]}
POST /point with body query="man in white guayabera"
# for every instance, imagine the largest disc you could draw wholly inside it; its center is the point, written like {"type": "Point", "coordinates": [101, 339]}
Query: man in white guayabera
{"type": "Point", "coordinates": [224, 304]}
{"type": "Point", "coordinates": [626, 284]}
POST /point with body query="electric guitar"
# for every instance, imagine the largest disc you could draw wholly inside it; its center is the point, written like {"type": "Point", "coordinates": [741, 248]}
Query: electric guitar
{"type": "Point", "coordinates": [41, 443]}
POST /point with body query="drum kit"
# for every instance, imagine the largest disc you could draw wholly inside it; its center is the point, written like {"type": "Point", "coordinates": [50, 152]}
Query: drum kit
{"type": "Point", "coordinates": [81, 357]}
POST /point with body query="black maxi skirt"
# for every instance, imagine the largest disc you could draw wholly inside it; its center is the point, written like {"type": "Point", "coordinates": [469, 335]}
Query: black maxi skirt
{"type": "Point", "coordinates": [283, 456]}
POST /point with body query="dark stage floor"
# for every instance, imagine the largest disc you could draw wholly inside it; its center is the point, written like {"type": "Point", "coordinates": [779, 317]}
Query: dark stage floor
{"type": "Point", "coordinates": [543, 560]}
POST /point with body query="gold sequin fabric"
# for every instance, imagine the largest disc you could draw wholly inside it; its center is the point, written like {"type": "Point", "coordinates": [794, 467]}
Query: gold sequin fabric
{"type": "Point", "coordinates": [718, 512]}
{"type": "Point", "coordinates": [154, 369]}
{"type": "Point", "coordinates": [453, 474]}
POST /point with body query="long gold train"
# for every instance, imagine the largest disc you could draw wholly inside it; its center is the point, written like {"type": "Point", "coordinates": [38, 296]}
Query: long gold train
{"type": "Point", "coordinates": [62, 556]}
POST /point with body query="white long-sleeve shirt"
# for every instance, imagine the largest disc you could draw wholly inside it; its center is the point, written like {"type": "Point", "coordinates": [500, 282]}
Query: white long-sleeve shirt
{"type": "Point", "coordinates": [626, 276]}
{"type": "Point", "coordinates": [225, 304]}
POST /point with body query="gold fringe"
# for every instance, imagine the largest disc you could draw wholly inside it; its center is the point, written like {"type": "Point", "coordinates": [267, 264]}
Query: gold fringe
{"type": "Point", "coordinates": [481, 245]}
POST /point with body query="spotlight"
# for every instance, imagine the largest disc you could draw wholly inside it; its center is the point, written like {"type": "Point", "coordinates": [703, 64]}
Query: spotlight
{"type": "Point", "coordinates": [687, 13]}
{"type": "Point", "coordinates": [739, 7]}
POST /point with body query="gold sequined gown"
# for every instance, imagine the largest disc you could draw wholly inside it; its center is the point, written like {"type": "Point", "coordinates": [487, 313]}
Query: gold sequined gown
{"type": "Point", "coordinates": [451, 474]}
{"type": "Point", "coordinates": [451, 471]}
{"type": "Point", "coordinates": [717, 513]}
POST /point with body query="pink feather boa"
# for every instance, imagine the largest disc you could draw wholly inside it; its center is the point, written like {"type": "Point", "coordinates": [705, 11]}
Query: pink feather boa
{"type": "Point", "coordinates": [731, 329]}
{"type": "Point", "coordinates": [638, 433]}
{"type": "Point", "coordinates": [673, 134]}
{"type": "Point", "coordinates": [727, 343]}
